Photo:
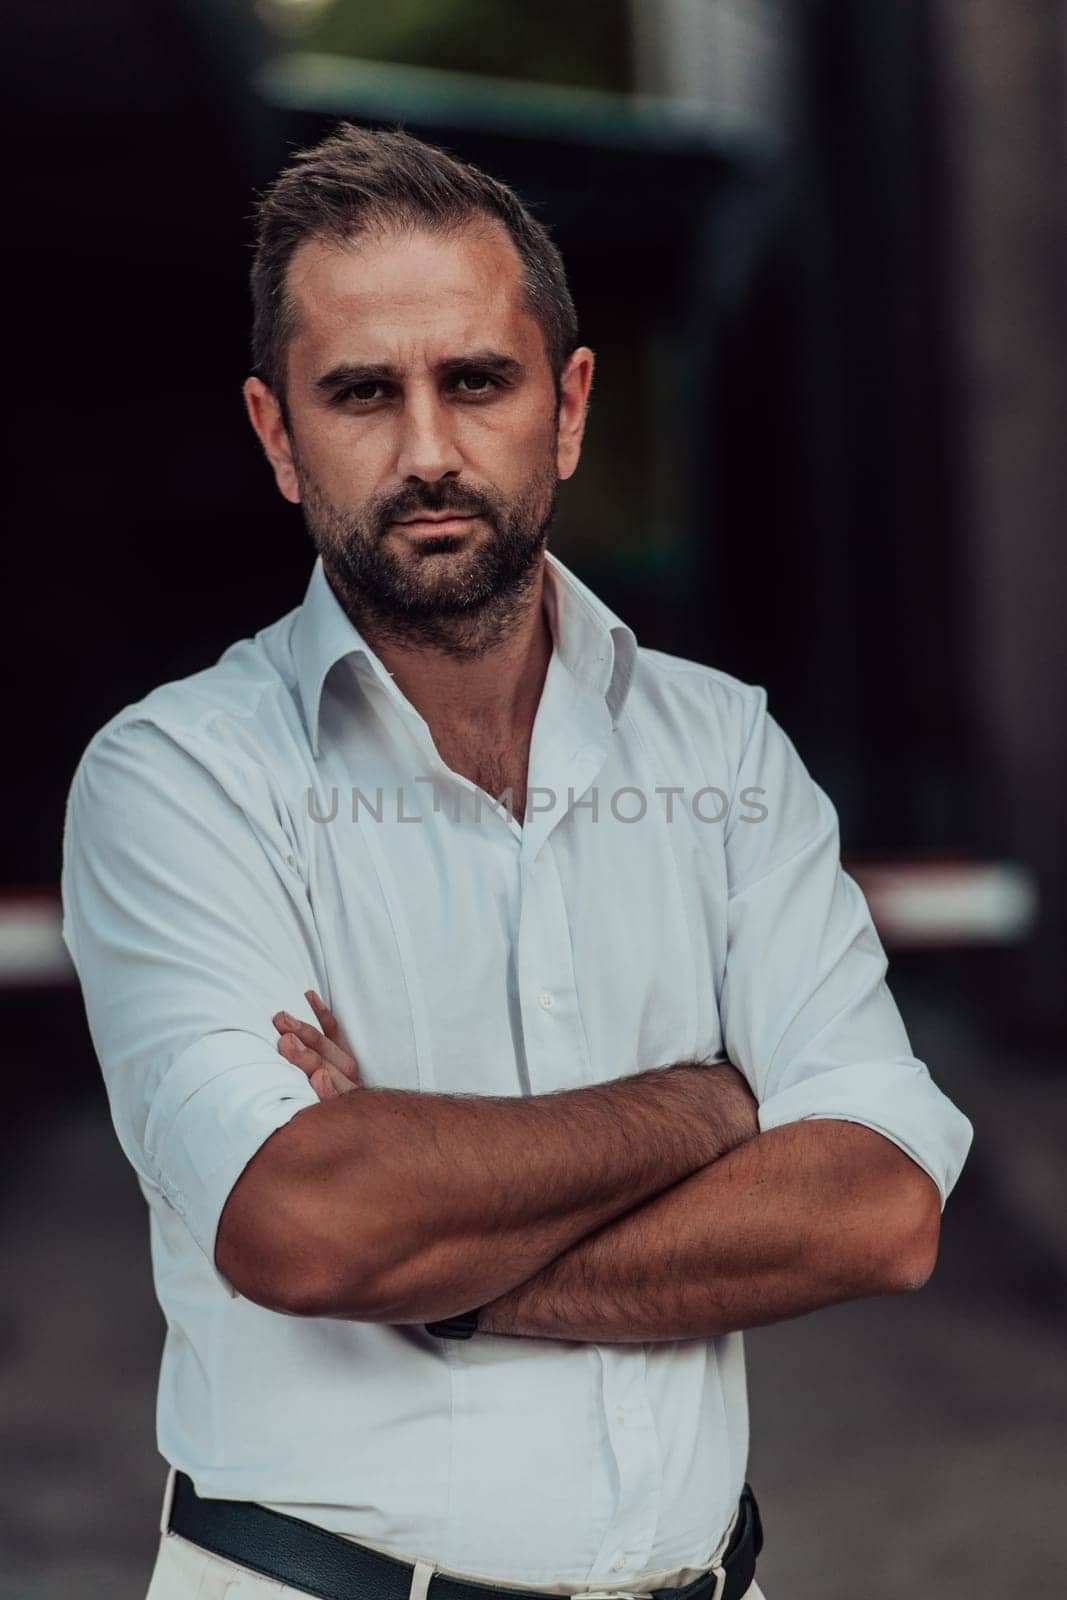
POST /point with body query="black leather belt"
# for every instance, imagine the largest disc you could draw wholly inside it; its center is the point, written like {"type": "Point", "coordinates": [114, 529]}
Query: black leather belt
{"type": "Point", "coordinates": [323, 1564]}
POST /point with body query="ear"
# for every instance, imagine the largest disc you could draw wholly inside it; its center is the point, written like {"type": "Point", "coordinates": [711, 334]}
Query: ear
{"type": "Point", "coordinates": [575, 382]}
{"type": "Point", "coordinates": [265, 415]}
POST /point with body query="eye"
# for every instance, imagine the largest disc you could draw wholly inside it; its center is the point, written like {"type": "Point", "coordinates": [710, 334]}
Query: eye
{"type": "Point", "coordinates": [365, 393]}
{"type": "Point", "coordinates": [476, 382]}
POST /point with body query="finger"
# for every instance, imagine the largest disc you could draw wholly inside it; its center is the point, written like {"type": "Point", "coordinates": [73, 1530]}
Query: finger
{"type": "Point", "coordinates": [314, 1040]}
{"type": "Point", "coordinates": [325, 1079]}
{"type": "Point", "coordinates": [328, 1022]}
{"type": "Point", "coordinates": [329, 1084]}
{"type": "Point", "coordinates": [323, 1084]}
{"type": "Point", "coordinates": [341, 1082]}
{"type": "Point", "coordinates": [306, 1032]}
{"type": "Point", "coordinates": [298, 1055]}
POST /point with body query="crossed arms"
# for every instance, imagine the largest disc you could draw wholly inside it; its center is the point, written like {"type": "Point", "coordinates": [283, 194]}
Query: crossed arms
{"type": "Point", "coordinates": [650, 1207]}
{"type": "Point", "coordinates": [656, 1206]}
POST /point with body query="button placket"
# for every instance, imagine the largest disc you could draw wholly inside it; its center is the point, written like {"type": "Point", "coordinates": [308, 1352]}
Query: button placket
{"type": "Point", "coordinates": [557, 1053]}
{"type": "Point", "coordinates": [636, 1447]}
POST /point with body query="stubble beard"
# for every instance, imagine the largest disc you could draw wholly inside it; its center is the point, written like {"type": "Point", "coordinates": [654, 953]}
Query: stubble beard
{"type": "Point", "coordinates": [460, 595]}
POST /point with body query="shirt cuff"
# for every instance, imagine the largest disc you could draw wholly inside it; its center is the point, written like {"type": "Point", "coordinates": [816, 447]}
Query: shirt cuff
{"type": "Point", "coordinates": [894, 1098]}
{"type": "Point", "coordinates": [218, 1104]}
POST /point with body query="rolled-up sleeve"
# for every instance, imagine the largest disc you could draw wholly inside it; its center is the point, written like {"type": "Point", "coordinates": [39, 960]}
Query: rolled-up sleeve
{"type": "Point", "coordinates": [189, 927]}
{"type": "Point", "coordinates": [807, 1014]}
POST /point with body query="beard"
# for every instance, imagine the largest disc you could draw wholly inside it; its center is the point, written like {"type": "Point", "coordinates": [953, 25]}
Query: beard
{"type": "Point", "coordinates": [460, 594]}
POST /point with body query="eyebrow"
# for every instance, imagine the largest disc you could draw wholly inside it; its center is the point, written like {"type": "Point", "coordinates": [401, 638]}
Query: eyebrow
{"type": "Point", "coordinates": [347, 373]}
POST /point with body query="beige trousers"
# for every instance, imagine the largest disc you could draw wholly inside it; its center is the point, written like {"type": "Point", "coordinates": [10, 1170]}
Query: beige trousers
{"type": "Point", "coordinates": [185, 1572]}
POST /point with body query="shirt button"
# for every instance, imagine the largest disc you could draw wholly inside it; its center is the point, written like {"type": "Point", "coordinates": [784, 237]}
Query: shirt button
{"type": "Point", "coordinates": [620, 1562]}
{"type": "Point", "coordinates": [546, 1000]}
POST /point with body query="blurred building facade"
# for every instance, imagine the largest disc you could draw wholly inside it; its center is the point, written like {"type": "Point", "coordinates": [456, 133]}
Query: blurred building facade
{"type": "Point", "coordinates": [818, 249]}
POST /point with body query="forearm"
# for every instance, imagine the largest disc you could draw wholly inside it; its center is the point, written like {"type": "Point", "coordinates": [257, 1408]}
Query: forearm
{"type": "Point", "coordinates": [466, 1196]}
{"type": "Point", "coordinates": [800, 1217]}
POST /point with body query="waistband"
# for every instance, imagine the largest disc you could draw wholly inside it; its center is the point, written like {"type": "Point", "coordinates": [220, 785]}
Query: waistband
{"type": "Point", "coordinates": [325, 1565]}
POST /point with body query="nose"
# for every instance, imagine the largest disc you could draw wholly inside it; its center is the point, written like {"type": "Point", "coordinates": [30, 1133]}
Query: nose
{"type": "Point", "coordinates": [427, 447]}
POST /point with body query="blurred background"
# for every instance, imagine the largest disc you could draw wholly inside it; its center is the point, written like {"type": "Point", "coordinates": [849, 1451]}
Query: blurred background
{"type": "Point", "coordinates": [820, 251]}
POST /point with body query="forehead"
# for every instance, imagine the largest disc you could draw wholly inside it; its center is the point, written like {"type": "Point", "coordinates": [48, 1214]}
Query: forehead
{"type": "Point", "coordinates": [405, 291]}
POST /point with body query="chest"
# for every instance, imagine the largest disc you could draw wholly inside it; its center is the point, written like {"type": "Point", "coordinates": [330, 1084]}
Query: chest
{"type": "Point", "coordinates": [500, 769]}
{"type": "Point", "coordinates": [463, 954]}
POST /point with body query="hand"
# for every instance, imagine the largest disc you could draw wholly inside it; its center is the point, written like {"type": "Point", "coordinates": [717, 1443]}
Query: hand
{"type": "Point", "coordinates": [325, 1057]}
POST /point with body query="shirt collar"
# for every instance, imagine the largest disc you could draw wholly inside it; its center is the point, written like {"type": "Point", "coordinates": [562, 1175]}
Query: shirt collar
{"type": "Point", "coordinates": [594, 645]}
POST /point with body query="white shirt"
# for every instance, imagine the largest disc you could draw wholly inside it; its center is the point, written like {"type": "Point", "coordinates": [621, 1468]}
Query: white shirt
{"type": "Point", "coordinates": [204, 889]}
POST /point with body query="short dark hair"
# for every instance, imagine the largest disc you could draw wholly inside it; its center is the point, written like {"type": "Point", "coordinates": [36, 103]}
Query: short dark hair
{"type": "Point", "coordinates": [357, 180]}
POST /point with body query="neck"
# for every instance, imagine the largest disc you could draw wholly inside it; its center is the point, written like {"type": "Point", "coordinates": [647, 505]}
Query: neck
{"type": "Point", "coordinates": [481, 675]}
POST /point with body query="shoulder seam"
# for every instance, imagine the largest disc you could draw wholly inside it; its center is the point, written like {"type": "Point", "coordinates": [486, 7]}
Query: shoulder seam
{"type": "Point", "coordinates": [176, 725]}
{"type": "Point", "coordinates": [677, 667]}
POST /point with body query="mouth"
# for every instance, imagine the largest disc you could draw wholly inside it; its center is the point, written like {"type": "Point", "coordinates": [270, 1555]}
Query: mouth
{"type": "Point", "coordinates": [437, 523]}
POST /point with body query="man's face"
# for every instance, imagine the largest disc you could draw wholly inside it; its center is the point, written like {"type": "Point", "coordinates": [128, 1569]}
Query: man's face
{"type": "Point", "coordinates": [424, 441]}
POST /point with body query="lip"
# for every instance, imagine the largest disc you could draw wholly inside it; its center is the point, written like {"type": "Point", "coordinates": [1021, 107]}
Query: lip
{"type": "Point", "coordinates": [454, 522]}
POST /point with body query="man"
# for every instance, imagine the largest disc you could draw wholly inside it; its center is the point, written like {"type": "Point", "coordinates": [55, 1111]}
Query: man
{"type": "Point", "coordinates": [481, 1002]}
